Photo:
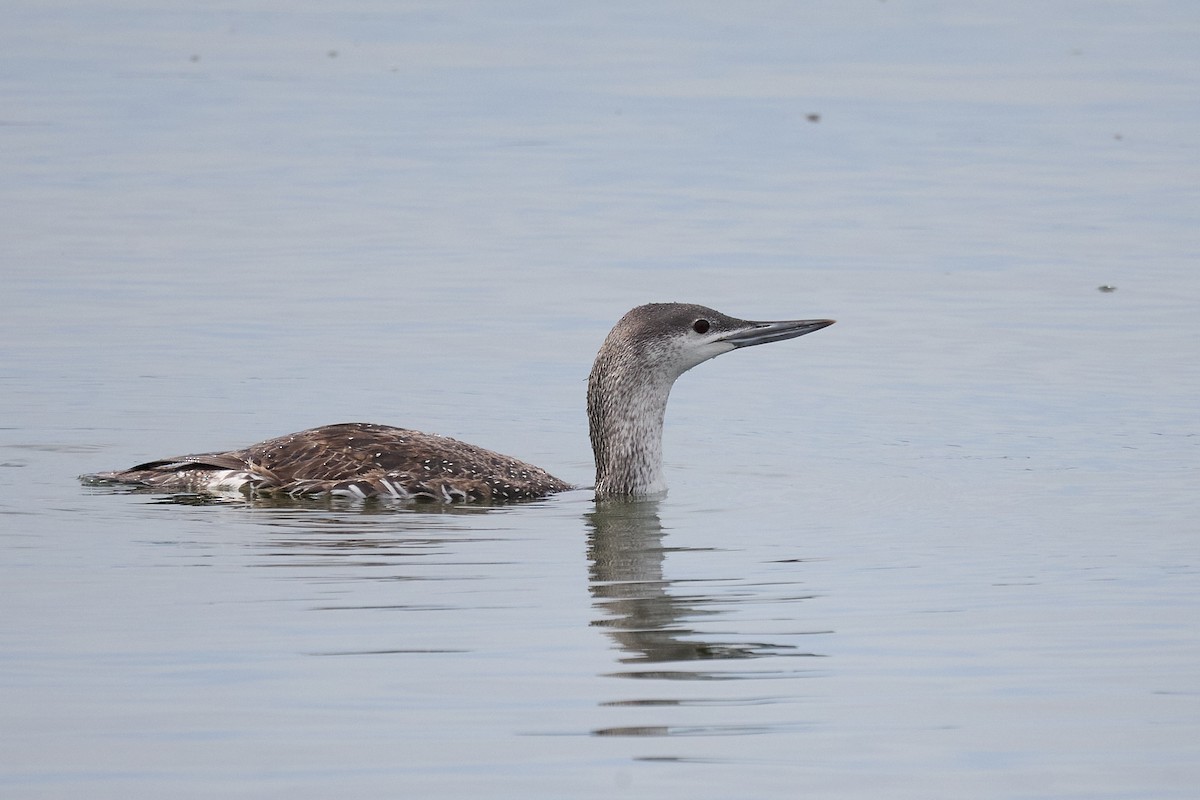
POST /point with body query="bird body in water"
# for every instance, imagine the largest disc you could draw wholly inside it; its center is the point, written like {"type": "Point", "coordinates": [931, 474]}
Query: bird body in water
{"type": "Point", "coordinates": [630, 382]}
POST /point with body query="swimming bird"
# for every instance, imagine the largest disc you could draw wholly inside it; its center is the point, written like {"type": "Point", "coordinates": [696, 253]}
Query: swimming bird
{"type": "Point", "coordinates": [630, 382]}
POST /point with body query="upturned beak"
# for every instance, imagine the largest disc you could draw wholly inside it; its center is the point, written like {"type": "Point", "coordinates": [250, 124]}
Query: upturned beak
{"type": "Point", "coordinates": [763, 332]}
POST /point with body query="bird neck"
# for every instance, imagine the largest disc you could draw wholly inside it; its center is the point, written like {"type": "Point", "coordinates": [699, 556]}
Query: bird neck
{"type": "Point", "coordinates": [627, 401]}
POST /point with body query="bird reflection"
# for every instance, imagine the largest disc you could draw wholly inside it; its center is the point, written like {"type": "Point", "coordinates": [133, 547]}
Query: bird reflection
{"type": "Point", "coordinates": [646, 620]}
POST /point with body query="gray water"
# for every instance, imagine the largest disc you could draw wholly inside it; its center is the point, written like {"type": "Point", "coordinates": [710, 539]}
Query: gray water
{"type": "Point", "coordinates": [946, 548]}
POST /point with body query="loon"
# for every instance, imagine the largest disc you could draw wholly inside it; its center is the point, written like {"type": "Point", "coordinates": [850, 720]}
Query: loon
{"type": "Point", "coordinates": [645, 352]}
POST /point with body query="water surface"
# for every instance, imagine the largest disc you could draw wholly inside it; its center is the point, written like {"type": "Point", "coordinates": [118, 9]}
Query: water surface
{"type": "Point", "coordinates": [945, 548]}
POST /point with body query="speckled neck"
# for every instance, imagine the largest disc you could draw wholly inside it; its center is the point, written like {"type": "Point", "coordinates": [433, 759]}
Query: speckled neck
{"type": "Point", "coordinates": [627, 400]}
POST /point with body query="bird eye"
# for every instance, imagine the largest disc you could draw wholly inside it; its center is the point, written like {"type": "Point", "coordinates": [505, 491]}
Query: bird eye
{"type": "Point", "coordinates": [700, 326]}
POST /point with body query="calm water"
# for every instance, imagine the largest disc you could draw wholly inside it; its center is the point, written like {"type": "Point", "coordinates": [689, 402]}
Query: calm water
{"type": "Point", "coordinates": [949, 547]}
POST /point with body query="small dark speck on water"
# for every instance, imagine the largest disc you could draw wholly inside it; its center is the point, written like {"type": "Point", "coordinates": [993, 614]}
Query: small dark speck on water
{"type": "Point", "coordinates": [1107, 288]}
{"type": "Point", "coordinates": [813, 117]}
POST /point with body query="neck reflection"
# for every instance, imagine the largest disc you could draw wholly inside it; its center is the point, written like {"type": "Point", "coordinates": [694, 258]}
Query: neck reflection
{"type": "Point", "coordinates": [648, 621]}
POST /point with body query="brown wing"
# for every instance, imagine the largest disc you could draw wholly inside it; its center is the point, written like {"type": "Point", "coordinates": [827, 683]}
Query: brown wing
{"type": "Point", "coordinates": [366, 459]}
{"type": "Point", "coordinates": [359, 460]}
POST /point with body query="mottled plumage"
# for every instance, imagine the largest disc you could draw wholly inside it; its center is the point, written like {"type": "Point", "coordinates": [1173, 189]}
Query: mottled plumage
{"type": "Point", "coordinates": [631, 379]}
{"type": "Point", "coordinates": [352, 459]}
